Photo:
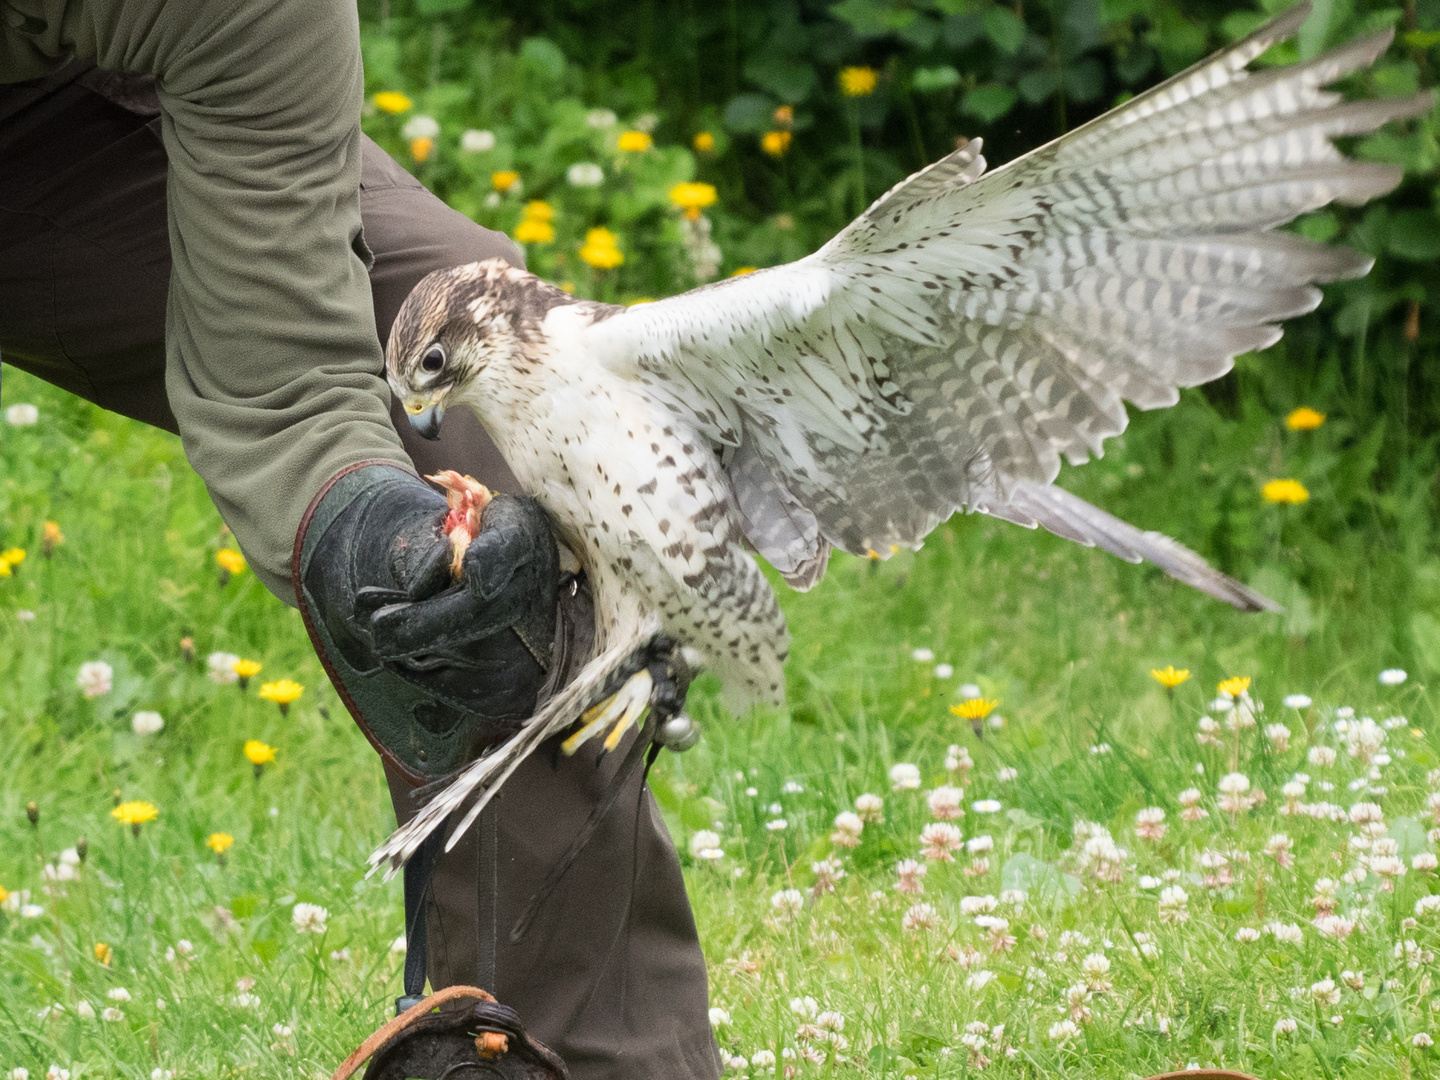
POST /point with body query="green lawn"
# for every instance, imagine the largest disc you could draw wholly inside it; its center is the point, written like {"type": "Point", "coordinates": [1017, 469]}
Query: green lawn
{"type": "Point", "coordinates": [1092, 973]}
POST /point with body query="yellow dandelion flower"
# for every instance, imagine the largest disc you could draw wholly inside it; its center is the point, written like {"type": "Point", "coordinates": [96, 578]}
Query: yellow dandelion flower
{"type": "Point", "coordinates": [704, 143]}
{"type": "Point", "coordinates": [104, 953]}
{"type": "Point", "coordinates": [775, 143]}
{"type": "Point", "coordinates": [539, 210]}
{"type": "Point", "coordinates": [693, 197]}
{"type": "Point", "coordinates": [858, 81]}
{"type": "Point", "coordinates": [1304, 419]}
{"type": "Point", "coordinates": [1234, 687]}
{"type": "Point", "coordinates": [51, 538]}
{"type": "Point", "coordinates": [533, 231]}
{"type": "Point", "coordinates": [974, 709]}
{"type": "Point", "coordinates": [1284, 491]}
{"type": "Point", "coordinates": [259, 754]}
{"type": "Point", "coordinates": [392, 102]}
{"type": "Point", "coordinates": [634, 142]}
{"type": "Point", "coordinates": [1168, 677]}
{"type": "Point", "coordinates": [741, 271]}
{"type": "Point", "coordinates": [422, 147]}
{"type": "Point", "coordinates": [505, 180]}
{"type": "Point", "coordinates": [230, 561]}
{"type": "Point", "coordinates": [4, 894]}
{"type": "Point", "coordinates": [5, 570]}
{"type": "Point", "coordinates": [220, 842]}
{"type": "Point", "coordinates": [601, 249]}
{"type": "Point", "coordinates": [135, 813]}
{"type": "Point", "coordinates": [14, 556]}
{"type": "Point", "coordinates": [282, 693]}
{"type": "Point", "coordinates": [246, 669]}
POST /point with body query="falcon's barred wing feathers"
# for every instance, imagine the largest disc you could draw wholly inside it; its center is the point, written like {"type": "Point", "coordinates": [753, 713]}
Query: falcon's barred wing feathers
{"type": "Point", "coordinates": [951, 344]}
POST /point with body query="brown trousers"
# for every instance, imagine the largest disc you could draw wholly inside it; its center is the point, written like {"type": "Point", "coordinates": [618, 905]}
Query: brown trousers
{"type": "Point", "coordinates": [610, 973]}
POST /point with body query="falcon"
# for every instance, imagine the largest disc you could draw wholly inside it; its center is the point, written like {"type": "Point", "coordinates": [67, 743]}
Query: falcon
{"type": "Point", "coordinates": [943, 352]}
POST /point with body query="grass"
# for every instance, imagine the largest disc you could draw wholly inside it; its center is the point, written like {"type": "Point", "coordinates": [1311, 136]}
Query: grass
{"type": "Point", "coordinates": [1063, 637]}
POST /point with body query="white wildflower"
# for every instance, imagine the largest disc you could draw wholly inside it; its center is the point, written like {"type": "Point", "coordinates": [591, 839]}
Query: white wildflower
{"type": "Point", "coordinates": [420, 126]}
{"type": "Point", "coordinates": [309, 918]}
{"type": "Point", "coordinates": [473, 141]}
{"type": "Point", "coordinates": [848, 827]}
{"type": "Point", "coordinates": [871, 808]}
{"type": "Point", "coordinates": [146, 722]}
{"type": "Point", "coordinates": [938, 840]}
{"type": "Point", "coordinates": [1297, 701]}
{"type": "Point", "coordinates": [705, 844]}
{"type": "Point", "coordinates": [719, 1017]}
{"type": "Point", "coordinates": [904, 776]}
{"type": "Point", "coordinates": [1247, 934]}
{"type": "Point", "coordinates": [787, 902]}
{"type": "Point", "coordinates": [920, 917]}
{"type": "Point", "coordinates": [1286, 1026]}
{"type": "Point", "coordinates": [94, 678]}
{"type": "Point", "coordinates": [1174, 905]}
{"type": "Point", "coordinates": [986, 806]}
{"type": "Point", "coordinates": [22, 415]}
{"type": "Point", "coordinates": [944, 803]}
{"type": "Point", "coordinates": [220, 668]}
{"type": "Point", "coordinates": [1392, 677]}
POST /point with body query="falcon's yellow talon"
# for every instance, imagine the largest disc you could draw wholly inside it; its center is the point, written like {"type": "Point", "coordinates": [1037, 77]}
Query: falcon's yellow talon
{"type": "Point", "coordinates": [620, 709]}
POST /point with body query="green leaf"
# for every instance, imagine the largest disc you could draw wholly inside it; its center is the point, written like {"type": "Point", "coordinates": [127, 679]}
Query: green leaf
{"type": "Point", "coordinates": [244, 906]}
{"type": "Point", "coordinates": [1414, 235]}
{"type": "Point", "coordinates": [1005, 29]}
{"type": "Point", "coordinates": [1321, 227]}
{"type": "Point", "coordinates": [989, 103]}
{"type": "Point", "coordinates": [266, 948]}
{"type": "Point", "coordinates": [439, 7]}
{"type": "Point", "coordinates": [1036, 86]}
{"type": "Point", "coordinates": [749, 113]}
{"type": "Point", "coordinates": [543, 57]}
{"type": "Point", "coordinates": [789, 79]}
{"type": "Point", "coordinates": [928, 80]}
{"type": "Point", "coordinates": [1422, 39]}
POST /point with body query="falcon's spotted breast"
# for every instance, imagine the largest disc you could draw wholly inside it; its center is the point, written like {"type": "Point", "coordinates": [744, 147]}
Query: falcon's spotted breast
{"type": "Point", "coordinates": [942, 352]}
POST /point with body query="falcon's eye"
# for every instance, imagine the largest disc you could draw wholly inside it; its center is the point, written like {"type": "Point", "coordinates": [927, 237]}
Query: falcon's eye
{"type": "Point", "coordinates": [434, 359]}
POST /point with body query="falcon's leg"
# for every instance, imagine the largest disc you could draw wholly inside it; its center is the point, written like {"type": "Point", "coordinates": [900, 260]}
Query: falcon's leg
{"type": "Point", "coordinates": [660, 686]}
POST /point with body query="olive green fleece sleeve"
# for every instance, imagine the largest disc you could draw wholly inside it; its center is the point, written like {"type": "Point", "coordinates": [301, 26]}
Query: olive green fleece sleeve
{"type": "Point", "coordinates": [274, 369]}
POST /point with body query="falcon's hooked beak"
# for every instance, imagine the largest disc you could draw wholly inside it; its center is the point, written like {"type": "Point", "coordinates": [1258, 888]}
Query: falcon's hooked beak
{"type": "Point", "coordinates": [426, 420]}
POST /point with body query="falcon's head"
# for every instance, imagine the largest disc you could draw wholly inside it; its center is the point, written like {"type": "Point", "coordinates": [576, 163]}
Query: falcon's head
{"type": "Point", "coordinates": [459, 329]}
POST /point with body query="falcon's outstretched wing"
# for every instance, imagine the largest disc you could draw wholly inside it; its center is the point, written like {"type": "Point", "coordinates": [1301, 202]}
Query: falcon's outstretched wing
{"type": "Point", "coordinates": [951, 344]}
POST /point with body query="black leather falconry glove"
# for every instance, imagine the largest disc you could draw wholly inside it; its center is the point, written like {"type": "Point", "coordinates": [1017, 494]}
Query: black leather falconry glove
{"type": "Point", "coordinates": [433, 669]}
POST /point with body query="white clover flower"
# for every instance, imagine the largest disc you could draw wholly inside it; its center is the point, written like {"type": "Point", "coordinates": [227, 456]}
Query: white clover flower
{"type": "Point", "coordinates": [806, 1008]}
{"type": "Point", "coordinates": [161, 1074]}
{"type": "Point", "coordinates": [704, 841]}
{"type": "Point", "coordinates": [1393, 676]}
{"type": "Point", "coordinates": [1279, 736]}
{"type": "Point", "coordinates": [777, 824]}
{"type": "Point", "coordinates": [944, 671]}
{"type": "Point", "coordinates": [1355, 980]}
{"type": "Point", "coordinates": [1148, 881]}
{"type": "Point", "coordinates": [978, 845]}
{"type": "Point", "coordinates": [977, 905]}
{"type": "Point", "coordinates": [22, 415]}
{"type": "Point", "coordinates": [923, 656]}
{"type": "Point", "coordinates": [1062, 1030]}
{"type": "Point", "coordinates": [909, 874]}
{"type": "Point", "coordinates": [112, 1015]}
{"type": "Point", "coordinates": [792, 787]}
{"type": "Point", "coordinates": [1189, 797]}
{"type": "Point", "coordinates": [986, 806]}
{"type": "Point", "coordinates": [1363, 739]}
{"type": "Point", "coordinates": [978, 980]}
{"type": "Point", "coordinates": [118, 994]}
{"type": "Point", "coordinates": [399, 946]}
{"type": "Point", "coordinates": [1173, 904]}
{"type": "Point", "coordinates": [1422, 1041]}
{"type": "Point", "coordinates": [220, 668]}
{"type": "Point", "coordinates": [85, 1010]}
{"type": "Point", "coordinates": [309, 918]}
{"type": "Point", "coordinates": [1297, 701]}
{"type": "Point", "coordinates": [477, 142]}
{"type": "Point", "coordinates": [944, 803]}
{"type": "Point", "coordinates": [904, 776]}
{"type": "Point", "coordinates": [830, 1020]}
{"type": "Point", "coordinates": [1006, 774]}
{"type": "Point", "coordinates": [828, 873]}
{"type": "Point", "coordinates": [763, 1059]}
{"type": "Point", "coordinates": [871, 808]}
{"type": "Point", "coordinates": [19, 1073]}
{"type": "Point", "coordinates": [1335, 927]}
{"type": "Point", "coordinates": [1234, 783]}
{"type": "Point", "coordinates": [1325, 992]}
{"type": "Point", "coordinates": [1286, 933]}
{"type": "Point", "coordinates": [247, 1001]}
{"type": "Point", "coordinates": [848, 827]}
{"type": "Point", "coordinates": [1424, 861]}
{"type": "Point", "coordinates": [1150, 823]}
{"type": "Point", "coordinates": [938, 840]}
{"type": "Point", "coordinates": [719, 1017]}
{"type": "Point", "coordinates": [919, 917]}
{"type": "Point", "coordinates": [1247, 934]}
{"type": "Point", "coordinates": [94, 678]}
{"type": "Point", "coordinates": [55, 1072]}
{"type": "Point", "coordinates": [146, 722]}
{"type": "Point", "coordinates": [787, 902]}
{"type": "Point", "coordinates": [601, 118]}
{"type": "Point", "coordinates": [1286, 1026]}
{"type": "Point", "coordinates": [1322, 756]}
{"type": "Point", "coordinates": [1363, 812]}
{"type": "Point", "coordinates": [421, 127]}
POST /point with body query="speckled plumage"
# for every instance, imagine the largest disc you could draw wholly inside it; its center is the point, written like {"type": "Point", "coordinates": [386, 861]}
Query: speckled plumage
{"type": "Point", "coordinates": [943, 352]}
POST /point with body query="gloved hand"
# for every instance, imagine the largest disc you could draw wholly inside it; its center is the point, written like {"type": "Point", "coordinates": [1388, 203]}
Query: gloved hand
{"type": "Point", "coordinates": [434, 668]}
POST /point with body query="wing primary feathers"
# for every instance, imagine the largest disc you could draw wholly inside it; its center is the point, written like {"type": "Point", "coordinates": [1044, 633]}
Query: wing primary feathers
{"type": "Point", "coordinates": [1073, 518]}
{"type": "Point", "coordinates": [487, 774]}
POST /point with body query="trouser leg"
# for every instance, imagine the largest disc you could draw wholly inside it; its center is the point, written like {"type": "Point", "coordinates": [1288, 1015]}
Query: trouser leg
{"type": "Point", "coordinates": [610, 974]}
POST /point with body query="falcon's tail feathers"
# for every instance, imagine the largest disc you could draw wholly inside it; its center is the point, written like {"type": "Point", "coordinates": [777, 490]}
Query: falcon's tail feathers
{"type": "Point", "coordinates": [1070, 516]}
{"type": "Point", "coordinates": [488, 774]}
